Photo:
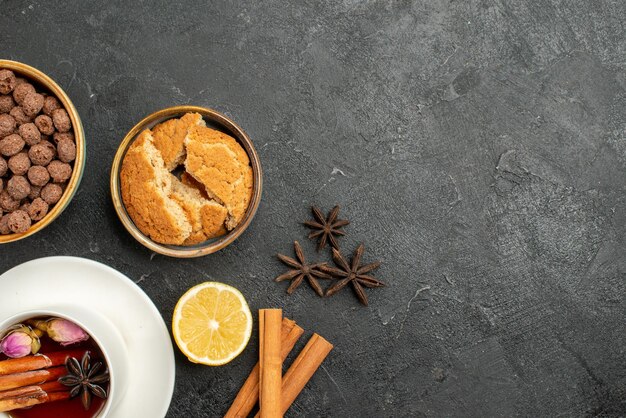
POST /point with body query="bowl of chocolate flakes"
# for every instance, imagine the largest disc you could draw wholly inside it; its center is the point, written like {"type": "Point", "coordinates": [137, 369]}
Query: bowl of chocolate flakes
{"type": "Point", "coordinates": [42, 150]}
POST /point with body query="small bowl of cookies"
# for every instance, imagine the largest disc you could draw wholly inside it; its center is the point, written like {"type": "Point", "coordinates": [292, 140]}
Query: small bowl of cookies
{"type": "Point", "coordinates": [42, 150]}
{"type": "Point", "coordinates": [186, 181]}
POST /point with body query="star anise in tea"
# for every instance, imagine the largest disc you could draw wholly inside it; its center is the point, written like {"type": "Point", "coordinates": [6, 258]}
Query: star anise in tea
{"type": "Point", "coordinates": [84, 379]}
{"type": "Point", "coordinates": [326, 228]}
{"type": "Point", "coordinates": [352, 273]}
{"type": "Point", "coordinates": [300, 270]}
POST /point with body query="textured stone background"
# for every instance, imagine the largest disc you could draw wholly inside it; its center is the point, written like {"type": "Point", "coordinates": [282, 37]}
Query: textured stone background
{"type": "Point", "coordinates": [479, 147]}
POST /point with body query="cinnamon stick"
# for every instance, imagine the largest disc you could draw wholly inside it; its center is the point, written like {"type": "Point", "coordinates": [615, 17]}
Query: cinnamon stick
{"type": "Point", "coordinates": [37, 361]}
{"type": "Point", "coordinates": [302, 369]}
{"type": "Point", "coordinates": [20, 392]}
{"type": "Point", "coordinates": [34, 398]}
{"type": "Point", "coordinates": [270, 363]}
{"type": "Point", "coordinates": [248, 395]}
{"type": "Point", "coordinates": [53, 386]}
{"type": "Point", "coordinates": [47, 387]}
{"type": "Point", "coordinates": [16, 380]}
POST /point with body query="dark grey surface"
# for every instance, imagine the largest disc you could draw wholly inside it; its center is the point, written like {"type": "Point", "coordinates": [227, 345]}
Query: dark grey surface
{"type": "Point", "coordinates": [478, 147]}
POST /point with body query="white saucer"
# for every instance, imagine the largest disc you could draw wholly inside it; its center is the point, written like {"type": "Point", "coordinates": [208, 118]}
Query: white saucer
{"type": "Point", "coordinates": [72, 280]}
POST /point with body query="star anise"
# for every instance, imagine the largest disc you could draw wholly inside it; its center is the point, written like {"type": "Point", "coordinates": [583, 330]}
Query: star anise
{"type": "Point", "coordinates": [352, 273]}
{"type": "Point", "coordinates": [84, 379]}
{"type": "Point", "coordinates": [326, 228]}
{"type": "Point", "coordinates": [302, 269]}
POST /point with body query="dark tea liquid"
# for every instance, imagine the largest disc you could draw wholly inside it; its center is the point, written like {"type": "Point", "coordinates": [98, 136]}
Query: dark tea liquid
{"type": "Point", "coordinates": [72, 408]}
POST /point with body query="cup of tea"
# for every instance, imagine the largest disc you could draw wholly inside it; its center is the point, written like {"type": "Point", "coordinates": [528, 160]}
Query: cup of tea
{"type": "Point", "coordinates": [61, 361]}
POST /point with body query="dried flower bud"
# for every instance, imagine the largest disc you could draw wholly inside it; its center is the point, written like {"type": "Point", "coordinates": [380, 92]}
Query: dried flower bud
{"type": "Point", "coordinates": [16, 344]}
{"type": "Point", "coordinates": [19, 341]}
{"type": "Point", "coordinates": [61, 330]}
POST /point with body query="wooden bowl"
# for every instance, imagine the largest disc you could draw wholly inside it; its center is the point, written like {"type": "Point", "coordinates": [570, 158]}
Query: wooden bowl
{"type": "Point", "coordinates": [214, 120]}
{"type": "Point", "coordinates": [42, 81]}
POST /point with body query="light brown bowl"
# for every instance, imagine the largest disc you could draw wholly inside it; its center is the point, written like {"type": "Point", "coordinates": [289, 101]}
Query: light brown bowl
{"type": "Point", "coordinates": [38, 78]}
{"type": "Point", "coordinates": [217, 121]}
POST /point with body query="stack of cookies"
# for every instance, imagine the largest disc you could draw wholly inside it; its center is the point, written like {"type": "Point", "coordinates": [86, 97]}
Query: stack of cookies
{"type": "Point", "coordinates": [183, 183]}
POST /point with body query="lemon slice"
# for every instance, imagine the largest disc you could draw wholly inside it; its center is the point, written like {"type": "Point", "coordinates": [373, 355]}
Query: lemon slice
{"type": "Point", "coordinates": [212, 323]}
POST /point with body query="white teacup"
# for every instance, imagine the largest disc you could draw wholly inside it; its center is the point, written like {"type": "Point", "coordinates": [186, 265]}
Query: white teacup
{"type": "Point", "coordinates": [103, 333]}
